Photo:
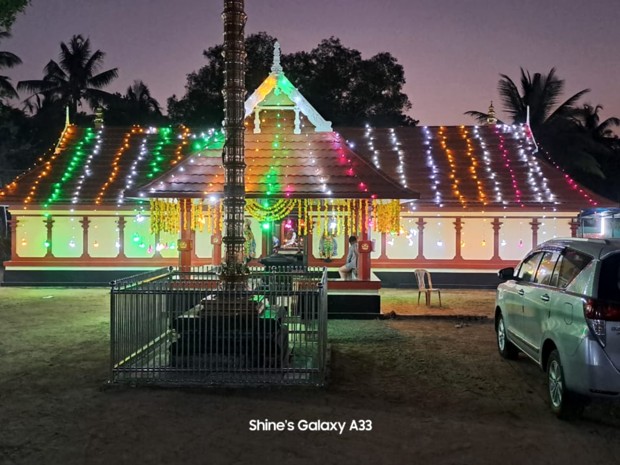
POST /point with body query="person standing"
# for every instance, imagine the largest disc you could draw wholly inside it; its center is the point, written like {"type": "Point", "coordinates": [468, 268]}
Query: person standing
{"type": "Point", "coordinates": [349, 269]}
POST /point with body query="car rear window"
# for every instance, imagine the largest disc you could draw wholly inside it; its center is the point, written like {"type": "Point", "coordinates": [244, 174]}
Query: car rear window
{"type": "Point", "coordinates": [609, 281]}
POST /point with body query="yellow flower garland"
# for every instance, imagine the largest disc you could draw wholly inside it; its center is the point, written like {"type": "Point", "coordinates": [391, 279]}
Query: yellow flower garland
{"type": "Point", "coordinates": [347, 213]}
{"type": "Point", "coordinates": [276, 212]}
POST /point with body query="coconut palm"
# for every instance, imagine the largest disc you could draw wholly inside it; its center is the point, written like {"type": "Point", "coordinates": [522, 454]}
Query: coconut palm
{"type": "Point", "coordinates": [137, 106]}
{"type": "Point", "coordinates": [7, 60]}
{"type": "Point", "coordinates": [601, 131]}
{"type": "Point", "coordinates": [553, 124]}
{"type": "Point", "coordinates": [541, 93]}
{"type": "Point", "coordinates": [75, 77]}
{"type": "Point", "coordinates": [139, 98]}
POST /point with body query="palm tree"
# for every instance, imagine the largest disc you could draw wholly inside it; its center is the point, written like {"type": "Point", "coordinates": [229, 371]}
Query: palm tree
{"type": "Point", "coordinates": [137, 106]}
{"type": "Point", "coordinates": [7, 60]}
{"type": "Point", "coordinates": [588, 119]}
{"type": "Point", "coordinates": [540, 93]}
{"type": "Point", "coordinates": [75, 77]}
{"type": "Point", "coordinates": [554, 125]}
{"type": "Point", "coordinates": [140, 101]}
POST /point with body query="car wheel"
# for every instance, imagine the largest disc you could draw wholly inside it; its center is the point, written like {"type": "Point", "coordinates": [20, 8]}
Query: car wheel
{"type": "Point", "coordinates": [565, 404]}
{"type": "Point", "coordinates": [506, 348]}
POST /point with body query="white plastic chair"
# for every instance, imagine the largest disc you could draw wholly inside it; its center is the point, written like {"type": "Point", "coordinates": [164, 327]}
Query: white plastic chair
{"type": "Point", "coordinates": [425, 285]}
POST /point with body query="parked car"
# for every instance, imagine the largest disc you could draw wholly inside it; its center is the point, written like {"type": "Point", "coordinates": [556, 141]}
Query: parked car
{"type": "Point", "coordinates": [561, 307]}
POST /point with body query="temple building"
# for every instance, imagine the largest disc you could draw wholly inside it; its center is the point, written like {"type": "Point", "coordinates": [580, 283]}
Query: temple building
{"type": "Point", "coordinates": [460, 201]}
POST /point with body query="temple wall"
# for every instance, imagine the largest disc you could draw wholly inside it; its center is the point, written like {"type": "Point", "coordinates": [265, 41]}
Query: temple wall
{"type": "Point", "coordinates": [450, 240]}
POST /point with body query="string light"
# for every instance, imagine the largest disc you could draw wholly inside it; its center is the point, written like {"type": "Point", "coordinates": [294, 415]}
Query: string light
{"type": "Point", "coordinates": [508, 166]}
{"type": "Point", "coordinates": [473, 168]}
{"type": "Point", "coordinates": [133, 171]}
{"type": "Point", "coordinates": [116, 162]}
{"type": "Point", "coordinates": [86, 171]}
{"type": "Point", "coordinates": [48, 165]}
{"type": "Point", "coordinates": [78, 154]}
{"type": "Point", "coordinates": [178, 154]}
{"type": "Point", "coordinates": [456, 188]}
{"type": "Point", "coordinates": [400, 154]}
{"type": "Point", "coordinates": [486, 157]}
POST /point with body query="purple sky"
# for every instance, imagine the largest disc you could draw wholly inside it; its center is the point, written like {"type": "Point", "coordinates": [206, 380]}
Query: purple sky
{"type": "Point", "coordinates": [452, 50]}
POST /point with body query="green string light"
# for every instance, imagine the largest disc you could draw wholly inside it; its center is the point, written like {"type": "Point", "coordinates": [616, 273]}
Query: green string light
{"type": "Point", "coordinates": [76, 160]}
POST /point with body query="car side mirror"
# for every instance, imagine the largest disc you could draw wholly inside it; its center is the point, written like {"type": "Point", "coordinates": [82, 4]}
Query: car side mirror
{"type": "Point", "coordinates": [506, 273]}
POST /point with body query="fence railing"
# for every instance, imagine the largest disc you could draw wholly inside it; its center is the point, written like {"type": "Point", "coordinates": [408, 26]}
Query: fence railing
{"type": "Point", "coordinates": [171, 327]}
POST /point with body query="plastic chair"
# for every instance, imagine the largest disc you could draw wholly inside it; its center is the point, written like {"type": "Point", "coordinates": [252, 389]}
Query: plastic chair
{"type": "Point", "coordinates": [425, 285]}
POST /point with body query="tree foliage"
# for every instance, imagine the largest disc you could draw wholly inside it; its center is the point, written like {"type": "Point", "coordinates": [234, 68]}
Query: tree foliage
{"type": "Point", "coordinates": [572, 135]}
{"type": "Point", "coordinates": [136, 106]}
{"type": "Point", "coordinates": [74, 78]}
{"type": "Point", "coordinates": [7, 60]}
{"type": "Point", "coordinates": [343, 87]}
{"type": "Point", "coordinates": [9, 10]}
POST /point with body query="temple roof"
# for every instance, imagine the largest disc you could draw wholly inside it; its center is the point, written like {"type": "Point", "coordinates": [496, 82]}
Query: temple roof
{"type": "Point", "coordinates": [471, 167]}
{"type": "Point", "coordinates": [292, 152]}
{"type": "Point", "coordinates": [281, 164]}
{"type": "Point", "coordinates": [104, 168]}
{"type": "Point", "coordinates": [491, 167]}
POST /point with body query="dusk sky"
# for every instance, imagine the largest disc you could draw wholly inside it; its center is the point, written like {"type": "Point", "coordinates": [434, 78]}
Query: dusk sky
{"type": "Point", "coordinates": [452, 50]}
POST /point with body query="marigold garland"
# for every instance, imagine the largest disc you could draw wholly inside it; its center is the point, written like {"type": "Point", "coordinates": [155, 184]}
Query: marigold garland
{"type": "Point", "coordinates": [347, 214]}
{"type": "Point", "coordinates": [275, 212]}
{"type": "Point", "coordinates": [386, 216]}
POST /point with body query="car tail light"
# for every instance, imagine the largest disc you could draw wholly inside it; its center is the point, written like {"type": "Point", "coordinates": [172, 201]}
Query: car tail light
{"type": "Point", "coordinates": [598, 313]}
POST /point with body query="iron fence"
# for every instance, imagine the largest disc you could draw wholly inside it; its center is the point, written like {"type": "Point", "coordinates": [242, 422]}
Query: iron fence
{"type": "Point", "coordinates": [171, 327]}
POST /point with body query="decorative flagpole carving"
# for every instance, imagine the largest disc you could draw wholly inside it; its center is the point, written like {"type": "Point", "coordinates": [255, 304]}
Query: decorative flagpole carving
{"type": "Point", "coordinates": [233, 153]}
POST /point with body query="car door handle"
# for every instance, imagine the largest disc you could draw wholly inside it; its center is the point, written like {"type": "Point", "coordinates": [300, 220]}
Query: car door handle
{"type": "Point", "coordinates": [521, 292]}
{"type": "Point", "coordinates": [544, 298]}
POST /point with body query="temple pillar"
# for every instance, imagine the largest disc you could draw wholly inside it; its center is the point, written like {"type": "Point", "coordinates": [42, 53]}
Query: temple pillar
{"type": "Point", "coordinates": [497, 226]}
{"type": "Point", "coordinates": [574, 227]}
{"type": "Point", "coordinates": [383, 246]}
{"type": "Point", "coordinates": [216, 240]}
{"type": "Point", "coordinates": [156, 251]}
{"type": "Point", "coordinates": [121, 236]}
{"type": "Point", "coordinates": [85, 222]}
{"type": "Point", "coordinates": [13, 223]}
{"type": "Point", "coordinates": [364, 249]}
{"type": "Point", "coordinates": [535, 224]}
{"type": "Point", "coordinates": [185, 244]}
{"type": "Point", "coordinates": [458, 228]}
{"type": "Point", "coordinates": [49, 225]}
{"type": "Point", "coordinates": [420, 223]}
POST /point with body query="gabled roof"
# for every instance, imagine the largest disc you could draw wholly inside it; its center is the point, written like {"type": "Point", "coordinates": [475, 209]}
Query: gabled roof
{"type": "Point", "coordinates": [471, 167]}
{"type": "Point", "coordinates": [281, 164]}
{"type": "Point", "coordinates": [276, 91]}
{"type": "Point", "coordinates": [495, 163]}
{"type": "Point", "coordinates": [102, 168]}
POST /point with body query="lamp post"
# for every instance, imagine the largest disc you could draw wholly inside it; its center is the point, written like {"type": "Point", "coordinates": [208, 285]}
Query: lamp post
{"type": "Point", "coordinates": [233, 156]}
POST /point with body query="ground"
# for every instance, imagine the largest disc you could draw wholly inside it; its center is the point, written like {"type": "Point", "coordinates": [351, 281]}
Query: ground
{"type": "Point", "coordinates": [435, 390]}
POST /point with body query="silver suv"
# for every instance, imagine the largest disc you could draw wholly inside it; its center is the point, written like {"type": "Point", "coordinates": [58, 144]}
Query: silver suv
{"type": "Point", "coordinates": [561, 308]}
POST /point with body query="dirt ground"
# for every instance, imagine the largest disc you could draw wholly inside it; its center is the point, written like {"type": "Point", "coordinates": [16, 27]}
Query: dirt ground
{"type": "Point", "coordinates": [434, 390]}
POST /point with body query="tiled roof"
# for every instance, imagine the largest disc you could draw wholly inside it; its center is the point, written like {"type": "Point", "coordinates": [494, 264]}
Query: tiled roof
{"type": "Point", "coordinates": [282, 164]}
{"type": "Point", "coordinates": [470, 167]}
{"type": "Point", "coordinates": [491, 167]}
{"type": "Point", "coordinates": [94, 167]}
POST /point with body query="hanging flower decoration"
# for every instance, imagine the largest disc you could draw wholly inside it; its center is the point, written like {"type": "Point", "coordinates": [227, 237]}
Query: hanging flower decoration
{"type": "Point", "coordinates": [386, 216]}
{"type": "Point", "coordinates": [265, 212]}
{"type": "Point", "coordinates": [336, 217]}
{"type": "Point", "coordinates": [166, 216]}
